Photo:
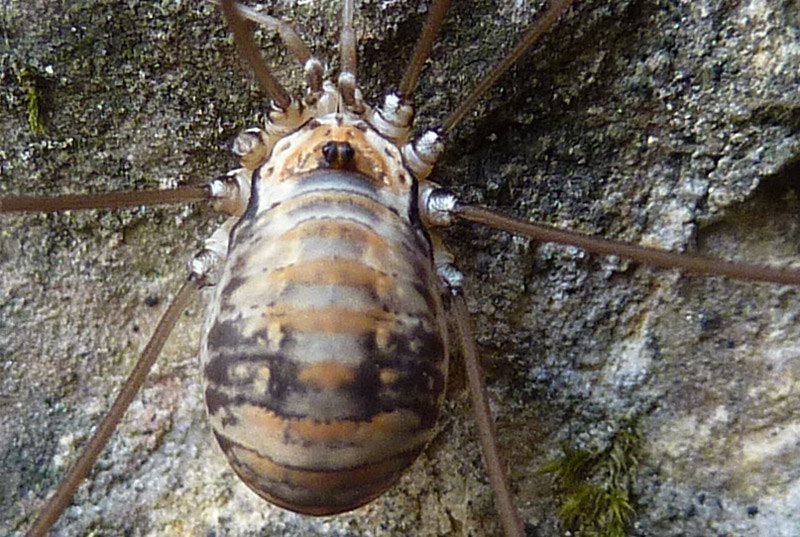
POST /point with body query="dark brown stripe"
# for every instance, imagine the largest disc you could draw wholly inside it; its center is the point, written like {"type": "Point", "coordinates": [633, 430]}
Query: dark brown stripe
{"type": "Point", "coordinates": [416, 356]}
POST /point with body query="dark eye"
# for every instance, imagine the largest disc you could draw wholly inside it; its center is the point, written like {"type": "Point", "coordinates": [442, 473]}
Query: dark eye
{"type": "Point", "coordinates": [347, 152]}
{"type": "Point", "coordinates": [338, 154]}
{"type": "Point", "coordinates": [329, 152]}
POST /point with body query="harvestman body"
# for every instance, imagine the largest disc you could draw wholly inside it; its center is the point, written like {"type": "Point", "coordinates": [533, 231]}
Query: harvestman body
{"type": "Point", "coordinates": [334, 152]}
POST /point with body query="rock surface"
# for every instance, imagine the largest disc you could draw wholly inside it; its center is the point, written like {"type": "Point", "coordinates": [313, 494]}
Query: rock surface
{"type": "Point", "coordinates": [668, 123]}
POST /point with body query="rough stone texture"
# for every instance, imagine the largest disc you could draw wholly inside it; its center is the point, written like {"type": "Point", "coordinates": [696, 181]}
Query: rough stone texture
{"type": "Point", "coordinates": [669, 123]}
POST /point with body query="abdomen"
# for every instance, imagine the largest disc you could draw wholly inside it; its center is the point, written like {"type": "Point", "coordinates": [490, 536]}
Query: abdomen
{"type": "Point", "coordinates": [325, 355]}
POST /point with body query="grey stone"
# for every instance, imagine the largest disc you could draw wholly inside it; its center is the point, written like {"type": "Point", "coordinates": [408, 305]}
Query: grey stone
{"type": "Point", "coordinates": [667, 123]}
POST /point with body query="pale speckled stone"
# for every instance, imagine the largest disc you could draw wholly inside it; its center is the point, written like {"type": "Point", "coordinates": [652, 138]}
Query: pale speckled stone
{"type": "Point", "coordinates": [663, 122]}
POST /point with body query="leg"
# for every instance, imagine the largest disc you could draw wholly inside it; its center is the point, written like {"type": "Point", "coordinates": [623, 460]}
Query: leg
{"type": "Point", "coordinates": [80, 469]}
{"type": "Point", "coordinates": [487, 434]}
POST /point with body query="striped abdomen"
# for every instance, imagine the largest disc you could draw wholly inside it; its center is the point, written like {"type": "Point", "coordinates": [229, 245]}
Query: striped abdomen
{"type": "Point", "coordinates": [325, 357]}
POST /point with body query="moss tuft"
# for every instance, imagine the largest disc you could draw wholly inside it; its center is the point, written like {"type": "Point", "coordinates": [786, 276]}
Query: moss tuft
{"type": "Point", "coordinates": [31, 82]}
{"type": "Point", "coordinates": [597, 487]}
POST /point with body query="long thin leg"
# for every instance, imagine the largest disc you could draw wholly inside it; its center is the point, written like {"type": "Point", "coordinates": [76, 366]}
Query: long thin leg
{"type": "Point", "coordinates": [423, 48]}
{"type": "Point", "coordinates": [642, 254]}
{"type": "Point", "coordinates": [532, 35]}
{"type": "Point", "coordinates": [76, 474]}
{"type": "Point", "coordinates": [495, 465]}
{"type": "Point", "coordinates": [422, 154]}
{"type": "Point", "coordinates": [105, 200]}
{"type": "Point", "coordinates": [249, 51]}
{"type": "Point", "coordinates": [349, 59]}
{"type": "Point", "coordinates": [228, 194]}
{"type": "Point", "coordinates": [393, 118]}
{"type": "Point", "coordinates": [440, 207]}
{"type": "Point", "coordinates": [291, 39]}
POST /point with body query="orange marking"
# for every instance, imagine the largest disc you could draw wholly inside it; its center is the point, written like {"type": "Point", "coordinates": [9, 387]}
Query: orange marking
{"type": "Point", "coordinates": [383, 425]}
{"type": "Point", "coordinates": [352, 231]}
{"type": "Point", "coordinates": [331, 320]}
{"type": "Point", "coordinates": [327, 375]}
{"type": "Point", "coordinates": [333, 272]}
{"type": "Point", "coordinates": [308, 430]}
{"type": "Point", "coordinates": [327, 432]}
{"type": "Point", "coordinates": [388, 423]}
{"type": "Point", "coordinates": [264, 420]}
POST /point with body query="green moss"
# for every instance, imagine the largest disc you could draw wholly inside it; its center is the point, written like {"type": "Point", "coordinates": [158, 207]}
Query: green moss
{"type": "Point", "coordinates": [31, 82]}
{"type": "Point", "coordinates": [596, 498]}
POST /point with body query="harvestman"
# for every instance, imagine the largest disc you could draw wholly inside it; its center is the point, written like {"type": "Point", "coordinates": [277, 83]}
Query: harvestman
{"type": "Point", "coordinates": [791, 277]}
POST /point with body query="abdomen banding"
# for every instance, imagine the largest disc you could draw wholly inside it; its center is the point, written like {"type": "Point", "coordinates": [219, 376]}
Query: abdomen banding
{"type": "Point", "coordinates": [325, 352]}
